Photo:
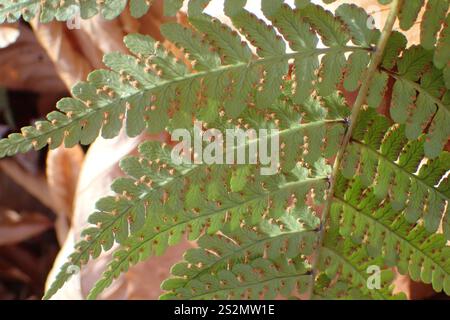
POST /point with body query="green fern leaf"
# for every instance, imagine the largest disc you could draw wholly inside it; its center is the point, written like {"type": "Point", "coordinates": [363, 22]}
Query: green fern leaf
{"type": "Point", "coordinates": [419, 86]}
{"type": "Point", "coordinates": [232, 210]}
{"type": "Point", "coordinates": [175, 197]}
{"type": "Point", "coordinates": [147, 87]}
{"type": "Point", "coordinates": [415, 251]}
{"type": "Point", "coordinates": [409, 13]}
{"type": "Point", "coordinates": [432, 22]}
{"type": "Point", "coordinates": [260, 236]}
{"type": "Point", "coordinates": [11, 11]}
{"type": "Point", "coordinates": [277, 241]}
{"type": "Point", "coordinates": [396, 167]}
{"type": "Point", "coordinates": [351, 261]}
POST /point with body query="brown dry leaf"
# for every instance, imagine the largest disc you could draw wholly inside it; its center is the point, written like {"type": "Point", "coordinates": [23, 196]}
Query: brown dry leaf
{"type": "Point", "coordinates": [106, 35]}
{"type": "Point", "coordinates": [70, 65]}
{"type": "Point", "coordinates": [63, 169]}
{"type": "Point", "coordinates": [87, 48]}
{"type": "Point", "coordinates": [413, 290]}
{"type": "Point", "coordinates": [144, 280]}
{"type": "Point", "coordinates": [24, 260]}
{"type": "Point", "coordinates": [9, 272]}
{"type": "Point", "coordinates": [34, 184]}
{"type": "Point", "coordinates": [15, 227]}
{"type": "Point", "coordinates": [8, 34]}
{"type": "Point", "coordinates": [150, 23]}
{"type": "Point", "coordinates": [129, 23]}
{"type": "Point", "coordinates": [25, 66]}
{"type": "Point", "coordinates": [97, 36]}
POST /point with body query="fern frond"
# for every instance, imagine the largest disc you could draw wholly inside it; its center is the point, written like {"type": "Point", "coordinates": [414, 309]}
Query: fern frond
{"type": "Point", "coordinates": [104, 101]}
{"type": "Point", "coordinates": [367, 220]}
{"type": "Point", "coordinates": [260, 235]}
{"type": "Point", "coordinates": [247, 207]}
{"type": "Point", "coordinates": [397, 168]}
{"type": "Point", "coordinates": [152, 91]}
{"type": "Point", "coordinates": [275, 240]}
{"type": "Point", "coordinates": [259, 279]}
{"type": "Point", "coordinates": [124, 214]}
{"type": "Point", "coordinates": [365, 229]}
{"type": "Point", "coordinates": [170, 198]}
{"type": "Point", "coordinates": [48, 10]}
{"type": "Point", "coordinates": [419, 97]}
{"type": "Point", "coordinates": [348, 262]}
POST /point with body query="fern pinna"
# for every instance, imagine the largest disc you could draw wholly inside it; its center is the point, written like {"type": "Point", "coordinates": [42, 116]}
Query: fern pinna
{"type": "Point", "coordinates": [48, 10]}
{"type": "Point", "coordinates": [354, 189]}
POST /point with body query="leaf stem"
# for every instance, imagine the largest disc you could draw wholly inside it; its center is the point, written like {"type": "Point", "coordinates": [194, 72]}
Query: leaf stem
{"type": "Point", "coordinates": [356, 110]}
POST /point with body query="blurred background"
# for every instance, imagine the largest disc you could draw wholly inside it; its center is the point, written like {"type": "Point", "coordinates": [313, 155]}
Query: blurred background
{"type": "Point", "coordinates": [46, 196]}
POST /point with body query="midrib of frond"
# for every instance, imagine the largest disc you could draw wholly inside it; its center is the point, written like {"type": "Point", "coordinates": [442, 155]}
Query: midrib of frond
{"type": "Point", "coordinates": [399, 168]}
{"type": "Point", "coordinates": [393, 232]}
{"type": "Point", "coordinates": [152, 236]}
{"type": "Point", "coordinates": [375, 62]}
{"type": "Point", "coordinates": [185, 79]}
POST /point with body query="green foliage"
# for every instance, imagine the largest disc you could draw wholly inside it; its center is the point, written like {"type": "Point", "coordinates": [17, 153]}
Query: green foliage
{"type": "Point", "coordinates": [420, 98]}
{"type": "Point", "coordinates": [48, 10]}
{"type": "Point", "coordinates": [398, 168]}
{"type": "Point", "coordinates": [273, 242]}
{"type": "Point", "coordinates": [196, 198]}
{"type": "Point", "coordinates": [145, 88]}
{"type": "Point", "coordinates": [434, 21]}
{"type": "Point", "coordinates": [364, 218]}
{"type": "Point", "coordinates": [312, 228]}
{"type": "Point", "coordinates": [347, 262]}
